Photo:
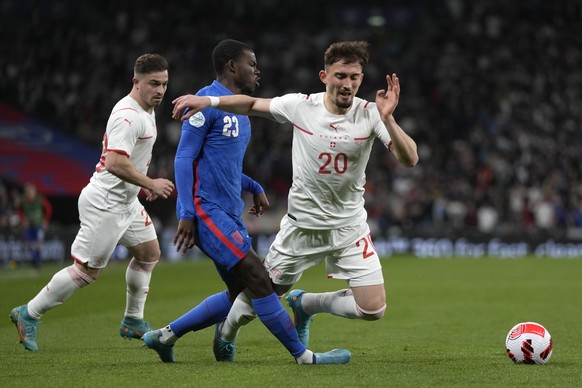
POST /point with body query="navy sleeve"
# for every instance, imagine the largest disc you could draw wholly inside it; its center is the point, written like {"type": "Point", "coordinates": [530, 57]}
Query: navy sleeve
{"type": "Point", "coordinates": [186, 154]}
{"type": "Point", "coordinates": [249, 185]}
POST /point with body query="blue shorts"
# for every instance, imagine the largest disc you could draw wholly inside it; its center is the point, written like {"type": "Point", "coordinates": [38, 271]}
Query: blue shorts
{"type": "Point", "coordinates": [34, 234]}
{"type": "Point", "coordinates": [221, 236]}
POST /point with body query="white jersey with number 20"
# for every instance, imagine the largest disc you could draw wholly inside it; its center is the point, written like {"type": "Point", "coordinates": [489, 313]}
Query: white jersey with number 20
{"type": "Point", "coordinates": [130, 131]}
{"type": "Point", "coordinates": [330, 154]}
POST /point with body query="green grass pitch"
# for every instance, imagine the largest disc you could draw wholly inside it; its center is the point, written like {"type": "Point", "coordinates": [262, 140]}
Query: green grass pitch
{"type": "Point", "coordinates": [445, 326]}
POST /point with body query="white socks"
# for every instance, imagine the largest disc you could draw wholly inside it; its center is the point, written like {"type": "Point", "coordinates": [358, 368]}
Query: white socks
{"type": "Point", "coordinates": [340, 303]}
{"type": "Point", "coordinates": [65, 282]}
{"type": "Point", "coordinates": [137, 277]}
{"type": "Point", "coordinates": [305, 358]}
{"type": "Point", "coordinates": [241, 313]}
{"type": "Point", "coordinates": [62, 285]}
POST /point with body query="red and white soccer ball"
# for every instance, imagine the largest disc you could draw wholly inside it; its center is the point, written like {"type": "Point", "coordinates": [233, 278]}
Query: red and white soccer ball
{"type": "Point", "coordinates": [529, 343]}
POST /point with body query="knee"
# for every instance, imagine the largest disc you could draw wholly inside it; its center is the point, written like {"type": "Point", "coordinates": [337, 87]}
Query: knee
{"type": "Point", "coordinates": [83, 275]}
{"type": "Point", "coordinates": [147, 253]}
{"type": "Point", "coordinates": [151, 255]}
{"type": "Point", "coordinates": [372, 315]}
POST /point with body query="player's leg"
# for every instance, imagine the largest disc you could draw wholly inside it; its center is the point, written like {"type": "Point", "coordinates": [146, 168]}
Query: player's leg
{"type": "Point", "coordinates": [268, 308]}
{"type": "Point", "coordinates": [273, 315]}
{"type": "Point", "coordinates": [358, 302]}
{"type": "Point", "coordinates": [61, 286]}
{"type": "Point", "coordinates": [359, 263]}
{"type": "Point", "coordinates": [240, 314]}
{"type": "Point", "coordinates": [33, 238]}
{"type": "Point", "coordinates": [370, 301]}
{"type": "Point", "coordinates": [37, 247]}
{"type": "Point", "coordinates": [91, 249]}
{"type": "Point", "coordinates": [137, 278]}
{"type": "Point", "coordinates": [294, 251]}
{"type": "Point", "coordinates": [210, 311]}
{"type": "Point", "coordinates": [217, 236]}
{"type": "Point", "coordinates": [242, 311]}
{"type": "Point", "coordinates": [267, 305]}
{"type": "Point", "coordinates": [142, 243]}
{"type": "Point", "coordinates": [226, 241]}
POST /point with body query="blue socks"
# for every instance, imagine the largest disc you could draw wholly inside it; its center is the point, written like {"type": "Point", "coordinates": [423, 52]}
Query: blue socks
{"type": "Point", "coordinates": [271, 312]}
{"type": "Point", "coordinates": [212, 310]}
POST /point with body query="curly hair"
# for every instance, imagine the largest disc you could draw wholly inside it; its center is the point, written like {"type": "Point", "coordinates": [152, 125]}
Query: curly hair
{"type": "Point", "coordinates": [347, 52]}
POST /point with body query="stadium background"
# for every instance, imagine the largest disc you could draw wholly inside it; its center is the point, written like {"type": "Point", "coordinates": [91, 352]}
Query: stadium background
{"type": "Point", "coordinates": [491, 93]}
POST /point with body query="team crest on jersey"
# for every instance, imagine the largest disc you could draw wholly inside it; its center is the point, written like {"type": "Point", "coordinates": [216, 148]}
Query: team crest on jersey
{"type": "Point", "coordinates": [197, 120]}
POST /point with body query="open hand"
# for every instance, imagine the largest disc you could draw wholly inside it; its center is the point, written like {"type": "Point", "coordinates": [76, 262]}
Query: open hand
{"type": "Point", "coordinates": [194, 103]}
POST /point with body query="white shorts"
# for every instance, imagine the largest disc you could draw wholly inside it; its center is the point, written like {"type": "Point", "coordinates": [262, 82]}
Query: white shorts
{"type": "Point", "coordinates": [101, 231]}
{"type": "Point", "coordinates": [348, 253]}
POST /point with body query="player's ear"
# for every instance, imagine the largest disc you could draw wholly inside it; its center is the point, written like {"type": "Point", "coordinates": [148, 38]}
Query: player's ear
{"type": "Point", "coordinates": [323, 76]}
{"type": "Point", "coordinates": [231, 65]}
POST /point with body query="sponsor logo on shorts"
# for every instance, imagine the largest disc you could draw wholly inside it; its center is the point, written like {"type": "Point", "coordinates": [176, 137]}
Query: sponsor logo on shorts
{"type": "Point", "coordinates": [98, 261]}
{"type": "Point", "coordinates": [276, 274]}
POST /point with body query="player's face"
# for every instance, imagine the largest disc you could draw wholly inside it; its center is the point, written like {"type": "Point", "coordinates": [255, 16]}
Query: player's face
{"type": "Point", "coordinates": [29, 192]}
{"type": "Point", "coordinates": [342, 81]}
{"type": "Point", "coordinates": [247, 73]}
{"type": "Point", "coordinates": [151, 88]}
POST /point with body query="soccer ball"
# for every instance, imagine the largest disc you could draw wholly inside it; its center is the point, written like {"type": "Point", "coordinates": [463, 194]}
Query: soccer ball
{"type": "Point", "coordinates": [529, 343]}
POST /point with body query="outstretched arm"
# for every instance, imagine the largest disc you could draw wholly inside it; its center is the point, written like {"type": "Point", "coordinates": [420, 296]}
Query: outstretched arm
{"type": "Point", "coordinates": [403, 147]}
{"type": "Point", "coordinates": [238, 104]}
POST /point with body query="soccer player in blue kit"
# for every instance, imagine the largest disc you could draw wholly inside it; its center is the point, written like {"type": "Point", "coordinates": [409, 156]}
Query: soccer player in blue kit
{"type": "Point", "coordinates": [209, 180]}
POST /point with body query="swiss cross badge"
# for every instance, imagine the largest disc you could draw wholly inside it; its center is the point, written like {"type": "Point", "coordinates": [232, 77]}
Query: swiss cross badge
{"type": "Point", "coordinates": [332, 144]}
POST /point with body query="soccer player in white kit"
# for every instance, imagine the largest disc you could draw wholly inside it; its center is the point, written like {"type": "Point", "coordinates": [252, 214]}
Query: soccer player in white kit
{"type": "Point", "coordinates": [109, 210]}
{"type": "Point", "coordinates": [333, 134]}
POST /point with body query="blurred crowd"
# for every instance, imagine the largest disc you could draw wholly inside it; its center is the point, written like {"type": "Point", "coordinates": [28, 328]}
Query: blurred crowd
{"type": "Point", "coordinates": [491, 92]}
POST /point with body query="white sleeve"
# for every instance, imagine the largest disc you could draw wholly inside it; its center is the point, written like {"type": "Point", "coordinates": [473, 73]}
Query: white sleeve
{"type": "Point", "coordinates": [123, 130]}
{"type": "Point", "coordinates": [283, 108]}
{"type": "Point", "coordinates": [379, 128]}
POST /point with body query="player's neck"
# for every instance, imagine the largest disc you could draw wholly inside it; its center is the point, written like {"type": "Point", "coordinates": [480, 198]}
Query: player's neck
{"type": "Point", "coordinates": [229, 84]}
{"type": "Point", "coordinates": [135, 95]}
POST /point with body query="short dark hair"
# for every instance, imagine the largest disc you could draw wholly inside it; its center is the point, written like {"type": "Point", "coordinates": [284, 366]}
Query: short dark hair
{"type": "Point", "coordinates": [150, 63]}
{"type": "Point", "coordinates": [226, 50]}
{"type": "Point", "coordinates": [347, 52]}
